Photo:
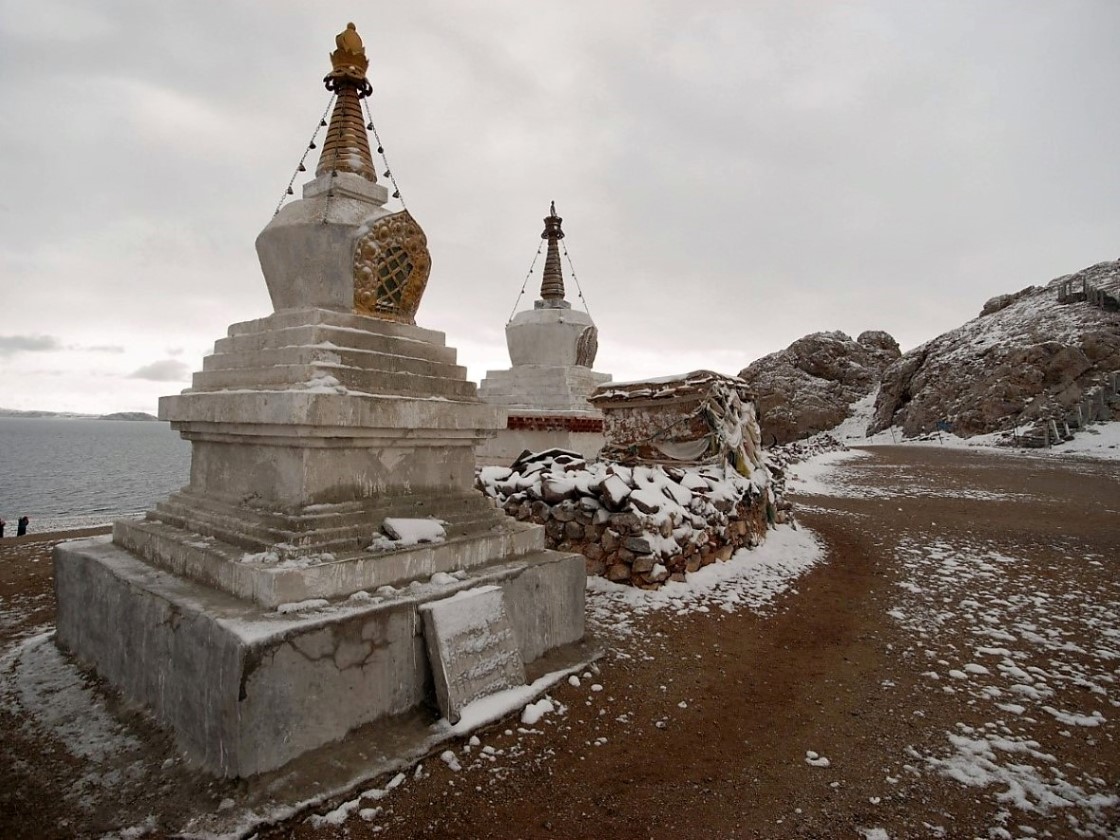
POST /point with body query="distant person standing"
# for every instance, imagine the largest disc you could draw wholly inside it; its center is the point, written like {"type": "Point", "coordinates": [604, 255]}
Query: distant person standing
{"type": "Point", "coordinates": [21, 526]}
{"type": "Point", "coordinates": [2, 524]}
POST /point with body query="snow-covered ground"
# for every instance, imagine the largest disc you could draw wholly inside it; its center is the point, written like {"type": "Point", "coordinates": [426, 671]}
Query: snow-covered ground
{"type": "Point", "coordinates": [1099, 440]}
{"type": "Point", "coordinates": [1020, 673]}
{"type": "Point", "coordinates": [750, 580]}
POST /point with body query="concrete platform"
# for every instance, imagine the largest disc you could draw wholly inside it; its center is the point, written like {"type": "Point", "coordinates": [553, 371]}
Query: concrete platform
{"type": "Point", "coordinates": [247, 689]}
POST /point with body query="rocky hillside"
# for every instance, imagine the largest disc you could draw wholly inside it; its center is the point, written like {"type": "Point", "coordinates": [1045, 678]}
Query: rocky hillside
{"type": "Point", "coordinates": [1025, 358]}
{"type": "Point", "coordinates": [810, 386]}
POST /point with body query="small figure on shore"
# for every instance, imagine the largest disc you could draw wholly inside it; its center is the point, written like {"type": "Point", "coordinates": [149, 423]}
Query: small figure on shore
{"type": "Point", "coordinates": [21, 526]}
{"type": "Point", "coordinates": [2, 524]}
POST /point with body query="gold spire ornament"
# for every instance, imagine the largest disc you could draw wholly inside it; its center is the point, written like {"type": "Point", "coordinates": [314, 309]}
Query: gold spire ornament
{"type": "Point", "coordinates": [346, 147]}
{"type": "Point", "coordinates": [349, 58]}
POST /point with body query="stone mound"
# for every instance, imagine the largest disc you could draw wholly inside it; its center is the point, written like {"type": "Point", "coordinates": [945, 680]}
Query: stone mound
{"type": "Point", "coordinates": [809, 387]}
{"type": "Point", "coordinates": [641, 525]}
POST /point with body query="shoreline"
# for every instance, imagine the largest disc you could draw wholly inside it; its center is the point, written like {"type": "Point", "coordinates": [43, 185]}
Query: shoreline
{"type": "Point", "coordinates": [57, 536]}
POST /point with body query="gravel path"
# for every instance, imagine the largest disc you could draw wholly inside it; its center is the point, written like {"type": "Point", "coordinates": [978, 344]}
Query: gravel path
{"type": "Point", "coordinates": [951, 669]}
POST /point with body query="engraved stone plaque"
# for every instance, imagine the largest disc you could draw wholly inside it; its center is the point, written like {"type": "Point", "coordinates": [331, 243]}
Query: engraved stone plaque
{"type": "Point", "coordinates": [471, 647]}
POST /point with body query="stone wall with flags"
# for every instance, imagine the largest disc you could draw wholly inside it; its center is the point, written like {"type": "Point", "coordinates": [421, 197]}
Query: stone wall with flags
{"type": "Point", "coordinates": [695, 418]}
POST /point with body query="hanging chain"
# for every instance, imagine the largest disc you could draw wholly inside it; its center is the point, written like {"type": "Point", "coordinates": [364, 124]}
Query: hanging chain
{"type": "Point", "coordinates": [381, 151]}
{"type": "Point", "coordinates": [532, 266]}
{"type": "Point", "coordinates": [572, 271]}
{"type": "Point", "coordinates": [300, 167]}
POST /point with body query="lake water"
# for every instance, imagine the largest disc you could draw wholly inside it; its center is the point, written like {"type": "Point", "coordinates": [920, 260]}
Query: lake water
{"type": "Point", "coordinates": [69, 473]}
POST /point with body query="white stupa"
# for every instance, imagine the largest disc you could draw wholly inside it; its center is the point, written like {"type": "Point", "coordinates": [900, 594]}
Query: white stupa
{"type": "Point", "coordinates": [552, 348]}
{"type": "Point", "coordinates": [305, 585]}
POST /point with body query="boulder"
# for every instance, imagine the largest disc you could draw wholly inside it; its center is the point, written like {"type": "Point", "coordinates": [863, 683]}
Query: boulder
{"type": "Point", "coordinates": [810, 386]}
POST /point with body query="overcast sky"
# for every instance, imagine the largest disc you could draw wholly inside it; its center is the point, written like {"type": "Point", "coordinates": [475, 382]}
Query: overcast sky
{"type": "Point", "coordinates": [732, 175]}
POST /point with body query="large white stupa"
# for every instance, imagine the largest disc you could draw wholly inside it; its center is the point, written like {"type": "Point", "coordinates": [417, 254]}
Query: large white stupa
{"type": "Point", "coordinates": [302, 584]}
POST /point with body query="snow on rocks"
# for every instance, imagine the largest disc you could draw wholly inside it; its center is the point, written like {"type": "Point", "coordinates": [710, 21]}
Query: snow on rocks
{"type": "Point", "coordinates": [1027, 357]}
{"type": "Point", "coordinates": [533, 712]}
{"type": "Point", "coordinates": [643, 525]}
{"type": "Point", "coordinates": [399, 532]}
{"type": "Point", "coordinates": [814, 759]}
{"type": "Point", "coordinates": [285, 556]}
{"type": "Point", "coordinates": [749, 580]}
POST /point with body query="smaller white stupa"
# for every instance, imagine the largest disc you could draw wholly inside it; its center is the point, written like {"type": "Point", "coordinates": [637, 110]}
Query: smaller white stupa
{"type": "Point", "coordinates": [552, 348]}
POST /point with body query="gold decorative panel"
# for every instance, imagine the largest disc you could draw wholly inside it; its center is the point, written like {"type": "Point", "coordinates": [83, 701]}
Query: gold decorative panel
{"type": "Point", "coordinates": [391, 268]}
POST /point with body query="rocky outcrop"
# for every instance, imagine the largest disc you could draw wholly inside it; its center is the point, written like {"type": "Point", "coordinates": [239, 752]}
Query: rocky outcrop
{"type": "Point", "coordinates": [810, 386]}
{"type": "Point", "coordinates": [1026, 358]}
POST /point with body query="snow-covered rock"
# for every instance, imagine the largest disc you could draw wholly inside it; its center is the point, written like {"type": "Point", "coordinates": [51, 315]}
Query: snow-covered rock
{"type": "Point", "coordinates": [1025, 358]}
{"type": "Point", "coordinates": [810, 386]}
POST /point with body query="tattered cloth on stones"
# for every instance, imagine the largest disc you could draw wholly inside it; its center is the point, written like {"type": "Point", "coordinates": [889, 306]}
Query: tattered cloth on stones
{"type": "Point", "coordinates": [698, 418]}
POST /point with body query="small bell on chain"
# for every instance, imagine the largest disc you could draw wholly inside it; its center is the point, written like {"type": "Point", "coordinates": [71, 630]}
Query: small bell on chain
{"type": "Point", "coordinates": [302, 168]}
{"type": "Point", "coordinates": [385, 174]}
{"type": "Point", "coordinates": [396, 193]}
{"type": "Point", "coordinates": [380, 149]}
{"type": "Point", "coordinates": [312, 145]}
{"type": "Point", "coordinates": [369, 126]}
{"type": "Point", "coordinates": [322, 123]}
{"type": "Point", "coordinates": [290, 191]}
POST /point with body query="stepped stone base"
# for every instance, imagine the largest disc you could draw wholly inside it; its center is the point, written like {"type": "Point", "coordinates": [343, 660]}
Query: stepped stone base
{"type": "Point", "coordinates": [246, 689]}
{"type": "Point", "coordinates": [542, 388]}
{"type": "Point", "coordinates": [291, 577]}
{"type": "Point", "coordinates": [308, 429]}
{"type": "Point", "coordinates": [548, 409]}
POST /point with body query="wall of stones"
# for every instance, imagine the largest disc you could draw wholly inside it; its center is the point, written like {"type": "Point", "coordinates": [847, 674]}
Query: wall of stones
{"type": "Point", "coordinates": [641, 526]}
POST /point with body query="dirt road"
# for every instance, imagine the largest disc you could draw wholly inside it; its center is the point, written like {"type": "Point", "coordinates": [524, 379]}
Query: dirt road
{"type": "Point", "coordinates": [952, 669]}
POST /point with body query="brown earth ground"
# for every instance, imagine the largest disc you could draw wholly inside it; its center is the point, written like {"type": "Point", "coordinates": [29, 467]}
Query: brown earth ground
{"type": "Point", "coordinates": [704, 718]}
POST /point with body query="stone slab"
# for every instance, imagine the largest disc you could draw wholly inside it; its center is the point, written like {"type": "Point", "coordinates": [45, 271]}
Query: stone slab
{"type": "Point", "coordinates": [471, 647]}
{"type": "Point", "coordinates": [246, 689]}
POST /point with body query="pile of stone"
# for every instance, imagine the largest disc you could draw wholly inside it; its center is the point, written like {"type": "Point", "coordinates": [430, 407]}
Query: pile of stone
{"type": "Point", "coordinates": [779, 459]}
{"type": "Point", "coordinates": [641, 525]}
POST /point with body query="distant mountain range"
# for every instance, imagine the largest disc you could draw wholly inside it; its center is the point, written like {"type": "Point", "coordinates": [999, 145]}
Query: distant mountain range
{"type": "Point", "coordinates": [118, 415]}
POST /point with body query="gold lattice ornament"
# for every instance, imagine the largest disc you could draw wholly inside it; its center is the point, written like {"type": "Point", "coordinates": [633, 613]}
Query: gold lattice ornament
{"type": "Point", "coordinates": [391, 268]}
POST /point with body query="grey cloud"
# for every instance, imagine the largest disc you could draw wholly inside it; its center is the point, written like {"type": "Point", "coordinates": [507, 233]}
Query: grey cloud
{"type": "Point", "coordinates": [732, 175]}
{"type": "Point", "coordinates": [12, 344]}
{"type": "Point", "coordinates": [165, 370]}
{"type": "Point", "coordinates": [97, 348]}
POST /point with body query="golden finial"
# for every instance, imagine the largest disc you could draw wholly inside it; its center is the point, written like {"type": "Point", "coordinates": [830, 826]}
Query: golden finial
{"type": "Point", "coordinates": [348, 61]}
{"type": "Point", "coordinates": [346, 146]}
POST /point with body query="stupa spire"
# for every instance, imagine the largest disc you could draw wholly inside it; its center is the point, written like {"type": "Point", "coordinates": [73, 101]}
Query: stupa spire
{"type": "Point", "coordinates": [346, 147]}
{"type": "Point", "coordinates": [552, 284]}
